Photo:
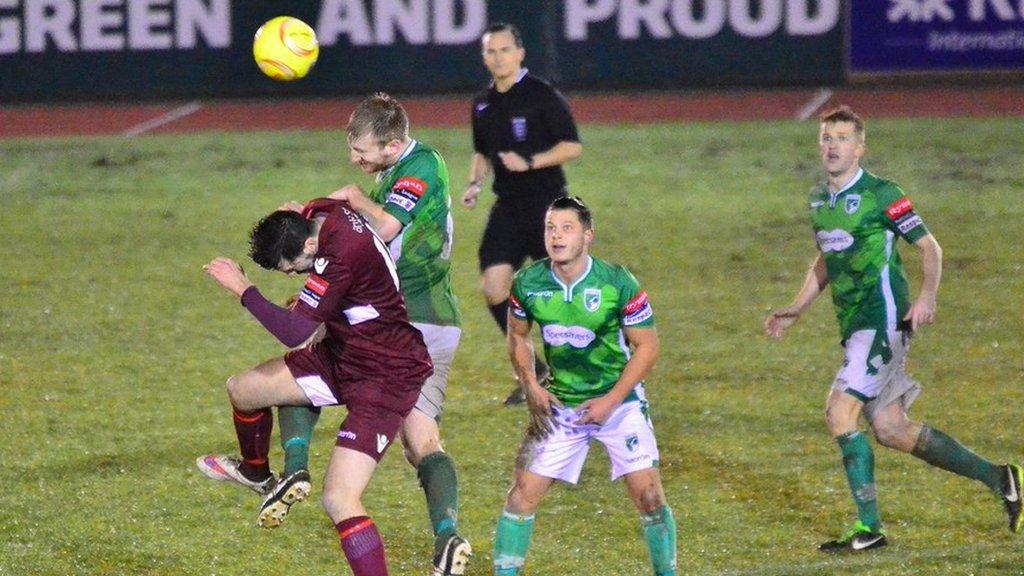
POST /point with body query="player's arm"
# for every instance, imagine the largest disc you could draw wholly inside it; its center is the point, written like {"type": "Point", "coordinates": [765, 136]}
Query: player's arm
{"type": "Point", "coordinates": [479, 171]}
{"type": "Point", "coordinates": [557, 155]}
{"type": "Point", "coordinates": [520, 351]}
{"type": "Point", "coordinates": [291, 328]}
{"type": "Point", "coordinates": [923, 310]}
{"type": "Point", "coordinates": [385, 225]}
{"type": "Point", "coordinates": [644, 342]}
{"type": "Point", "coordinates": [814, 283]}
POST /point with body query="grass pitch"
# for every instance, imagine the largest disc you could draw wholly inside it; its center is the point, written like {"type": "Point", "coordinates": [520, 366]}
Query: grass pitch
{"type": "Point", "coordinates": [114, 348]}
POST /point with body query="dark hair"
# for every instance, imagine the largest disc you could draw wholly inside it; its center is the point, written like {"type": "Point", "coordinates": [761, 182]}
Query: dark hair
{"type": "Point", "coordinates": [574, 203]}
{"type": "Point", "coordinates": [505, 27]}
{"type": "Point", "coordinates": [278, 236]}
{"type": "Point", "coordinates": [380, 116]}
{"type": "Point", "coordinates": [843, 113]}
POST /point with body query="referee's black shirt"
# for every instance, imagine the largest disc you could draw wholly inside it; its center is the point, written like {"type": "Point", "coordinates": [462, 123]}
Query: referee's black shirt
{"type": "Point", "coordinates": [530, 118]}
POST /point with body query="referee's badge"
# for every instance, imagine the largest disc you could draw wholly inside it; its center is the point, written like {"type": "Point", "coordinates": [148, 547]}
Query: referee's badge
{"type": "Point", "coordinates": [592, 299]}
{"type": "Point", "coordinates": [519, 128]}
{"type": "Point", "coordinates": [852, 203]}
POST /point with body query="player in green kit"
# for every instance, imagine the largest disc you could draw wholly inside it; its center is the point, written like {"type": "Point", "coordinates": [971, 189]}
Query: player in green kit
{"type": "Point", "coordinates": [409, 208]}
{"type": "Point", "coordinates": [600, 342]}
{"type": "Point", "coordinates": [857, 219]}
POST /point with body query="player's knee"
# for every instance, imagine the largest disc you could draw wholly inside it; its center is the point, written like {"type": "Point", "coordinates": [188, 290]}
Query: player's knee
{"type": "Point", "coordinates": [338, 505]}
{"type": "Point", "coordinates": [650, 499]}
{"type": "Point", "coordinates": [520, 501]}
{"type": "Point", "coordinates": [892, 435]}
{"type": "Point", "coordinates": [236, 390]}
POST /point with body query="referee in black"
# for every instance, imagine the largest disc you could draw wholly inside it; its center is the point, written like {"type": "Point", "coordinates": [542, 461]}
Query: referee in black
{"type": "Point", "coordinates": [523, 132]}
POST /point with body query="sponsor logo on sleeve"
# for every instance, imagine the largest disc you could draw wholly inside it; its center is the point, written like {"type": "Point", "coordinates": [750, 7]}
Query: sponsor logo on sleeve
{"type": "Point", "coordinates": [516, 308]}
{"type": "Point", "coordinates": [314, 290]}
{"type": "Point", "coordinates": [833, 240]}
{"type": "Point", "coordinates": [575, 336]}
{"type": "Point", "coordinates": [908, 223]}
{"type": "Point", "coordinates": [899, 208]}
{"type": "Point", "coordinates": [406, 192]}
{"type": "Point", "coordinates": [637, 310]}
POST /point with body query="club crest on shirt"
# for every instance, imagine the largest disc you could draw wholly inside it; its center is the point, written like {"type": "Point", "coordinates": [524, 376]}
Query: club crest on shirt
{"type": "Point", "coordinates": [852, 203]}
{"type": "Point", "coordinates": [519, 128]}
{"type": "Point", "coordinates": [592, 299]}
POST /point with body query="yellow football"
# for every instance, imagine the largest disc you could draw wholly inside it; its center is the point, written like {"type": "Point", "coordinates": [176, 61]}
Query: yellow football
{"type": "Point", "coordinates": [285, 48]}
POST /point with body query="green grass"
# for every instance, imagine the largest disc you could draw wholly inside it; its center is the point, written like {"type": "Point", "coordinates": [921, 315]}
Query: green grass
{"type": "Point", "coordinates": [114, 348]}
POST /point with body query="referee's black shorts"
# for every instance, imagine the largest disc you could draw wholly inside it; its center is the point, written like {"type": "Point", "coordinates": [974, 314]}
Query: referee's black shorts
{"type": "Point", "coordinates": [514, 232]}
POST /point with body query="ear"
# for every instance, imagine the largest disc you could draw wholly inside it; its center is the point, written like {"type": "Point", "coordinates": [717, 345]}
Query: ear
{"type": "Point", "coordinates": [310, 246]}
{"type": "Point", "coordinates": [393, 147]}
{"type": "Point", "coordinates": [588, 236]}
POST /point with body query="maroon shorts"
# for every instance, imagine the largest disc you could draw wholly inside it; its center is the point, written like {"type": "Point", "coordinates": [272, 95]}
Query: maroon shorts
{"type": "Point", "coordinates": [376, 409]}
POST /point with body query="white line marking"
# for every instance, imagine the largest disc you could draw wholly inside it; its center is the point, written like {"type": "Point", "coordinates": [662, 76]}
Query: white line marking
{"type": "Point", "coordinates": [177, 113]}
{"type": "Point", "coordinates": [819, 99]}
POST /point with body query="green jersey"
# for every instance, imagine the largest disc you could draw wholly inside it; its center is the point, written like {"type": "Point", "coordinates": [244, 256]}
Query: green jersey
{"type": "Point", "coordinates": [582, 324]}
{"type": "Point", "coordinates": [856, 229]}
{"type": "Point", "coordinates": [415, 192]}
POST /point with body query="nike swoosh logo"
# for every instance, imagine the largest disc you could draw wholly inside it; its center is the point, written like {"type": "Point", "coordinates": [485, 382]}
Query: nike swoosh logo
{"type": "Point", "coordinates": [862, 544]}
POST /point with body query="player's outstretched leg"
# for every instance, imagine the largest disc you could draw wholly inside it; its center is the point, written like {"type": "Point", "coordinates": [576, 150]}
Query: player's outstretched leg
{"type": "Point", "coordinates": [253, 429]}
{"type": "Point", "coordinates": [226, 469]}
{"type": "Point", "coordinates": [859, 462]}
{"type": "Point", "coordinates": [1013, 480]}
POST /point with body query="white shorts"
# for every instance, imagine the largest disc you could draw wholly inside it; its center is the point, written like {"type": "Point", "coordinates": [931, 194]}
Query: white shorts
{"type": "Point", "coordinates": [874, 370]}
{"type": "Point", "coordinates": [442, 342]}
{"type": "Point", "coordinates": [627, 435]}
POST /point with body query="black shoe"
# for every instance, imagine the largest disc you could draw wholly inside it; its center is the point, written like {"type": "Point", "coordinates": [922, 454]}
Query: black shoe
{"type": "Point", "coordinates": [857, 539]}
{"type": "Point", "coordinates": [1012, 496]}
{"type": "Point", "coordinates": [294, 488]}
{"type": "Point", "coordinates": [453, 557]}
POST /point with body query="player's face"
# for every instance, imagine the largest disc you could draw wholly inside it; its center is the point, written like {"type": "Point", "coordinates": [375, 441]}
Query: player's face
{"type": "Point", "coordinates": [300, 265]}
{"type": "Point", "coordinates": [502, 57]}
{"type": "Point", "coordinates": [565, 238]}
{"type": "Point", "coordinates": [367, 153]}
{"type": "Point", "coordinates": [841, 147]}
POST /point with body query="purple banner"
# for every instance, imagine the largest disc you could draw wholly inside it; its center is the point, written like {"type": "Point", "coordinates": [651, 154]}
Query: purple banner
{"type": "Point", "coordinates": [936, 35]}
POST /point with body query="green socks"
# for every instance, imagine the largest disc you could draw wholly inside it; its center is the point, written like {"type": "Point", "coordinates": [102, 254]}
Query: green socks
{"type": "Point", "coordinates": [297, 424]}
{"type": "Point", "coordinates": [441, 486]}
{"type": "Point", "coordinates": [660, 534]}
{"type": "Point", "coordinates": [511, 540]}
{"type": "Point", "coordinates": [859, 461]}
{"type": "Point", "coordinates": [944, 452]}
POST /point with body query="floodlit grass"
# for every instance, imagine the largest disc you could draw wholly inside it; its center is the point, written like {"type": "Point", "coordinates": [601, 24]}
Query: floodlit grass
{"type": "Point", "coordinates": [114, 348]}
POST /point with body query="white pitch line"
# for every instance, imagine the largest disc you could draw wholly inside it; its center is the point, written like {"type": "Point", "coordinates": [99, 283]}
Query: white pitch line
{"type": "Point", "coordinates": [177, 113]}
{"type": "Point", "coordinates": [819, 99]}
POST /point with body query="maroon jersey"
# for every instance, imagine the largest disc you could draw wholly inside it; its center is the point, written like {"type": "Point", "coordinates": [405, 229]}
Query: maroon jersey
{"type": "Point", "coordinates": [353, 289]}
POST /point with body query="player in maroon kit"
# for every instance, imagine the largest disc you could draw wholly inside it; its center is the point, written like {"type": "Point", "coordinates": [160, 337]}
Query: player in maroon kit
{"type": "Point", "coordinates": [371, 359]}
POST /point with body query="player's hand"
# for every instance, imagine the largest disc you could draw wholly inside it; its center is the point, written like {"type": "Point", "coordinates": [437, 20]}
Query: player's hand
{"type": "Point", "coordinates": [539, 402]}
{"type": "Point", "coordinates": [777, 322]}
{"type": "Point", "coordinates": [228, 274]}
{"type": "Point", "coordinates": [351, 194]}
{"type": "Point", "coordinates": [514, 162]}
{"type": "Point", "coordinates": [471, 195]}
{"type": "Point", "coordinates": [922, 312]}
{"type": "Point", "coordinates": [596, 410]}
{"type": "Point", "coordinates": [291, 206]}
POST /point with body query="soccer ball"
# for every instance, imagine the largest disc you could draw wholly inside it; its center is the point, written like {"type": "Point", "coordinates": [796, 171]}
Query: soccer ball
{"type": "Point", "coordinates": [285, 48]}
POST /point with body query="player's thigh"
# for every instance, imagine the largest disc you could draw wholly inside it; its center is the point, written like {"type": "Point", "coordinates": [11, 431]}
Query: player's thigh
{"type": "Point", "coordinates": [442, 342]}
{"type": "Point", "coordinates": [842, 411]}
{"type": "Point", "coordinates": [268, 384]}
{"type": "Point", "coordinates": [645, 489]}
{"type": "Point", "coordinates": [500, 243]}
{"type": "Point", "coordinates": [496, 282]}
{"type": "Point", "coordinates": [628, 437]}
{"type": "Point", "coordinates": [348, 474]}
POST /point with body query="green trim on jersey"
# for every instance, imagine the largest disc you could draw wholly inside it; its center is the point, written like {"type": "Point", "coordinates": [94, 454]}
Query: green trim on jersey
{"type": "Point", "coordinates": [415, 192]}
{"type": "Point", "coordinates": [582, 324]}
{"type": "Point", "coordinates": [856, 230]}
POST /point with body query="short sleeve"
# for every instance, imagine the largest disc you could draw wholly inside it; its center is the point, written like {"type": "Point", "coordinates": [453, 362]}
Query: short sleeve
{"type": "Point", "coordinates": [558, 119]}
{"type": "Point", "coordinates": [516, 299]}
{"type": "Point", "coordinates": [636, 309]}
{"type": "Point", "coordinates": [899, 214]}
